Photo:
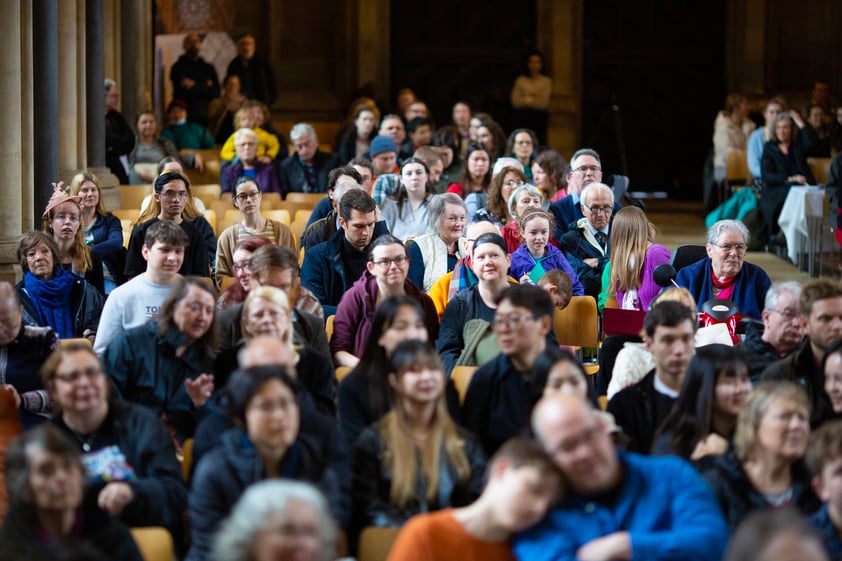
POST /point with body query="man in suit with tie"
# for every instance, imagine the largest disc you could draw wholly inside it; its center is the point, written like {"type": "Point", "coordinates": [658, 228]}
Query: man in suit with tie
{"type": "Point", "coordinates": [586, 244]}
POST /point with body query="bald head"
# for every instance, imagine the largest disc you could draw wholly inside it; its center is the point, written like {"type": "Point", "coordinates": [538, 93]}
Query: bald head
{"type": "Point", "coordinates": [474, 231]}
{"type": "Point", "coordinates": [266, 351]}
{"type": "Point", "coordinates": [577, 438]}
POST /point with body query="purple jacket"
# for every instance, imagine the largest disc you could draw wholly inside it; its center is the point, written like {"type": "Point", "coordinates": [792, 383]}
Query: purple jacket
{"type": "Point", "coordinates": [523, 262]}
{"type": "Point", "coordinates": [355, 312]}
{"type": "Point", "coordinates": [267, 177]}
{"type": "Point", "coordinates": [655, 255]}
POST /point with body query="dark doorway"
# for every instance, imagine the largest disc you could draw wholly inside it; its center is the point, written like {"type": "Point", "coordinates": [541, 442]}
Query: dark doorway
{"type": "Point", "coordinates": [471, 50]}
{"type": "Point", "coordinates": [654, 75]}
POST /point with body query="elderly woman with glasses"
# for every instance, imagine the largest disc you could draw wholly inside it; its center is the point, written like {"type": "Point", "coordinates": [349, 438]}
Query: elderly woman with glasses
{"type": "Point", "coordinates": [247, 195]}
{"type": "Point", "coordinates": [247, 163]}
{"type": "Point", "coordinates": [434, 254]}
{"type": "Point", "coordinates": [724, 272]}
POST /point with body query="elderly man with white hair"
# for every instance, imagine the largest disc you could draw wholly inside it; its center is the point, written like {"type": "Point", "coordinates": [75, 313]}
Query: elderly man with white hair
{"type": "Point", "coordinates": [247, 164]}
{"type": "Point", "coordinates": [306, 171]}
{"type": "Point", "coordinates": [586, 245]}
{"type": "Point", "coordinates": [724, 273]}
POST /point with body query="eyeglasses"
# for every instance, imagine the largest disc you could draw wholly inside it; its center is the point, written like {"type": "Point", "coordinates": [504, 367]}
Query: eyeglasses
{"type": "Point", "coordinates": [244, 266]}
{"type": "Point", "coordinates": [386, 263]}
{"type": "Point", "coordinates": [170, 195]}
{"type": "Point", "coordinates": [599, 209]}
{"type": "Point", "coordinates": [67, 218]}
{"type": "Point", "coordinates": [788, 315]}
{"type": "Point", "coordinates": [729, 247]}
{"type": "Point", "coordinates": [76, 375]}
{"type": "Point", "coordinates": [511, 321]}
{"type": "Point", "coordinates": [583, 169]}
{"type": "Point", "coordinates": [252, 196]}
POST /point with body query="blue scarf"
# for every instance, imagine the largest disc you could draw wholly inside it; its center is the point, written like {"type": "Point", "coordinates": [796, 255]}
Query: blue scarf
{"type": "Point", "coordinates": [51, 299]}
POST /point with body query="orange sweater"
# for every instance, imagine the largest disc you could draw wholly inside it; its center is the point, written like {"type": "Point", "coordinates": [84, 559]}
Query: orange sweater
{"type": "Point", "coordinates": [437, 536]}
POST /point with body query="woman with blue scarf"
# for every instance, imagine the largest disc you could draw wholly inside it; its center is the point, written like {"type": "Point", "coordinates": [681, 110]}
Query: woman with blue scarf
{"type": "Point", "coordinates": [52, 296]}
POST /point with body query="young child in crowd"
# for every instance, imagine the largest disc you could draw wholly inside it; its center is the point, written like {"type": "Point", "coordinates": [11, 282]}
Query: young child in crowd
{"type": "Point", "coordinates": [559, 285]}
{"type": "Point", "coordinates": [522, 484]}
{"type": "Point", "coordinates": [537, 255]}
{"type": "Point", "coordinates": [824, 458]}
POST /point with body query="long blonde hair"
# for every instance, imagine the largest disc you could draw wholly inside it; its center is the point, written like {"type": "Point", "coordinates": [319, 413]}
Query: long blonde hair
{"type": "Point", "coordinates": [402, 452]}
{"type": "Point", "coordinates": [76, 184]}
{"type": "Point", "coordinates": [631, 235]}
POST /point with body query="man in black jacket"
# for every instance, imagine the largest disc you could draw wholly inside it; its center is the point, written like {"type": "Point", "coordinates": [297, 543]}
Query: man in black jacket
{"type": "Point", "coordinates": [194, 80]}
{"type": "Point", "coordinates": [670, 329]}
{"type": "Point", "coordinates": [306, 171]}
{"type": "Point", "coordinates": [257, 78]}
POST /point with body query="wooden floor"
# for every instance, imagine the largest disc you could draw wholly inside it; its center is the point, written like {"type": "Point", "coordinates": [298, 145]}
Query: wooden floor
{"type": "Point", "coordinates": [681, 222]}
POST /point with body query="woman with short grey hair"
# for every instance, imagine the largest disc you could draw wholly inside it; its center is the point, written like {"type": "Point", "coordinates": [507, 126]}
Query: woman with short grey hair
{"type": "Point", "coordinates": [434, 254]}
{"type": "Point", "coordinates": [278, 516]}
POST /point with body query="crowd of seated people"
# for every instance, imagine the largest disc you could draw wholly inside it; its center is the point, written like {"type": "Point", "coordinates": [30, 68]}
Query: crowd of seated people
{"type": "Point", "coordinates": [404, 370]}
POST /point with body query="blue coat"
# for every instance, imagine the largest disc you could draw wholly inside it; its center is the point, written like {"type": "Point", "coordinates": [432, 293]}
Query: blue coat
{"type": "Point", "coordinates": [323, 274]}
{"type": "Point", "coordinates": [749, 289]}
{"type": "Point", "coordinates": [523, 262]}
{"type": "Point", "coordinates": [668, 510]}
{"type": "Point", "coordinates": [565, 213]}
{"type": "Point", "coordinates": [108, 244]}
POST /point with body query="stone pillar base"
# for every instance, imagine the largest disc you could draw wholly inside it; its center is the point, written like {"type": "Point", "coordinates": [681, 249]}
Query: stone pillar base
{"type": "Point", "coordinates": [9, 268]}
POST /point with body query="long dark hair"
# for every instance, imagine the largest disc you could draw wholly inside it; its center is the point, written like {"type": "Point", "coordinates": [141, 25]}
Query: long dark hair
{"type": "Point", "coordinates": [691, 418]}
{"type": "Point", "coordinates": [400, 195]}
{"type": "Point", "coordinates": [374, 364]}
{"type": "Point", "coordinates": [465, 175]}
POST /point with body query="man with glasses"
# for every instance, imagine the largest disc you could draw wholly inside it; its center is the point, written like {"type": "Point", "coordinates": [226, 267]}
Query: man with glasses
{"type": "Point", "coordinates": [586, 245]}
{"type": "Point", "coordinates": [139, 300]}
{"type": "Point", "coordinates": [821, 310]}
{"type": "Point", "coordinates": [783, 329]}
{"type": "Point", "coordinates": [331, 267]}
{"type": "Point", "coordinates": [585, 168]}
{"type": "Point", "coordinates": [171, 194]}
{"type": "Point", "coordinates": [497, 403]}
{"type": "Point", "coordinates": [617, 504]}
{"type": "Point", "coordinates": [724, 272]}
{"type": "Point", "coordinates": [385, 276]}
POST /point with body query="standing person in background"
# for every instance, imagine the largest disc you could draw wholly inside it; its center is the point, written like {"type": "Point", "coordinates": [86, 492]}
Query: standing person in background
{"type": "Point", "coordinates": [119, 138]}
{"type": "Point", "coordinates": [194, 80]}
{"type": "Point", "coordinates": [222, 109]}
{"type": "Point", "coordinates": [257, 77]}
{"type": "Point", "coordinates": [531, 96]}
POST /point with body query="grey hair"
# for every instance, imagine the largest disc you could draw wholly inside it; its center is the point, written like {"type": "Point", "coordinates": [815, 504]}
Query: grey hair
{"type": "Point", "coordinates": [585, 152]}
{"type": "Point", "coordinates": [109, 83]}
{"type": "Point", "coordinates": [343, 187]}
{"type": "Point", "coordinates": [436, 209]}
{"type": "Point", "coordinates": [244, 132]}
{"type": "Point", "coordinates": [778, 288]}
{"type": "Point", "coordinates": [584, 195]}
{"type": "Point", "coordinates": [513, 198]}
{"type": "Point", "coordinates": [249, 516]}
{"type": "Point", "coordinates": [302, 129]}
{"type": "Point", "coordinates": [727, 225]}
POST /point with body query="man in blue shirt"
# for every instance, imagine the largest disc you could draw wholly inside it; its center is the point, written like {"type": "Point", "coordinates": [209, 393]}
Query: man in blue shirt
{"type": "Point", "coordinates": [619, 505]}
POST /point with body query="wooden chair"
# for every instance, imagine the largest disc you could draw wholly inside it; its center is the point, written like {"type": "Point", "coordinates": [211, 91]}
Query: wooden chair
{"type": "Point", "coordinates": [207, 193]}
{"type": "Point", "coordinates": [375, 543]}
{"type": "Point", "coordinates": [226, 283]}
{"type": "Point", "coordinates": [577, 325]}
{"type": "Point", "coordinates": [302, 215]}
{"type": "Point", "coordinates": [210, 216]}
{"type": "Point", "coordinates": [461, 377]}
{"type": "Point", "coordinates": [131, 196]}
{"type": "Point", "coordinates": [298, 227]}
{"type": "Point", "coordinates": [186, 458]}
{"type": "Point", "coordinates": [129, 214]}
{"type": "Point", "coordinates": [154, 543]}
{"type": "Point", "coordinates": [342, 371]}
{"type": "Point", "coordinates": [736, 171]}
{"type": "Point", "coordinates": [278, 215]}
{"type": "Point", "coordinates": [294, 206]}
{"type": "Point", "coordinates": [820, 167]}
{"type": "Point", "coordinates": [270, 201]}
{"type": "Point", "coordinates": [231, 217]}
{"type": "Point", "coordinates": [221, 206]}
{"type": "Point", "coordinates": [329, 327]}
{"type": "Point", "coordinates": [211, 173]}
{"type": "Point", "coordinates": [73, 340]}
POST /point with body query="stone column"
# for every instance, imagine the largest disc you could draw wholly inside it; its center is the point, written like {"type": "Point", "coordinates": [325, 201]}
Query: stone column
{"type": "Point", "coordinates": [68, 155]}
{"type": "Point", "coordinates": [45, 100]}
{"type": "Point", "coordinates": [559, 37]}
{"type": "Point", "coordinates": [27, 123]}
{"type": "Point", "coordinates": [94, 79]}
{"type": "Point", "coordinates": [136, 56]}
{"type": "Point", "coordinates": [10, 122]}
